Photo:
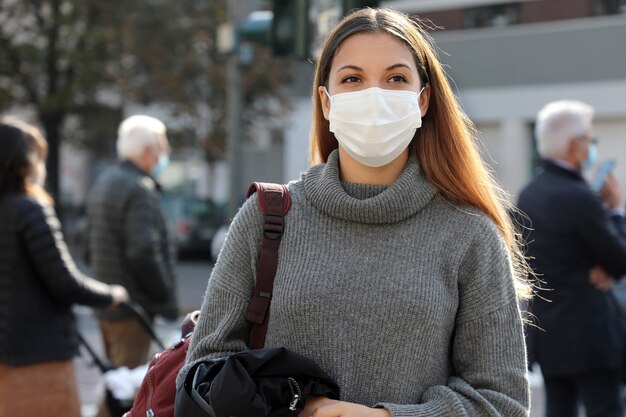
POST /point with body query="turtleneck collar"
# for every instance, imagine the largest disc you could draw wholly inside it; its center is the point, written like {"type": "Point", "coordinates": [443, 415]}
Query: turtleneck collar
{"type": "Point", "coordinates": [367, 203]}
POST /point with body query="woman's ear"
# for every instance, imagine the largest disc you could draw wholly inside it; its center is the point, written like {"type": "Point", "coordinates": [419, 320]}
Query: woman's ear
{"type": "Point", "coordinates": [325, 101]}
{"type": "Point", "coordinates": [424, 99]}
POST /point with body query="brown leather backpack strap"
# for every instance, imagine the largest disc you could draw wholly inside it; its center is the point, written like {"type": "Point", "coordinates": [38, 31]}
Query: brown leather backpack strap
{"type": "Point", "coordinates": [274, 202]}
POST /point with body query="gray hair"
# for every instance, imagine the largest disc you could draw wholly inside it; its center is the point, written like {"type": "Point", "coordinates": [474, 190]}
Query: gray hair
{"type": "Point", "coordinates": [558, 123]}
{"type": "Point", "coordinates": [136, 133]}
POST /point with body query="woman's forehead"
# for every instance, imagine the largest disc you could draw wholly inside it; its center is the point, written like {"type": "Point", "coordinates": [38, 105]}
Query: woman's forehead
{"type": "Point", "coordinates": [372, 50]}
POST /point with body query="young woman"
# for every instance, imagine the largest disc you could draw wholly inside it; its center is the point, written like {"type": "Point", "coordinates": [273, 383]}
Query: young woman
{"type": "Point", "coordinates": [397, 272]}
{"type": "Point", "coordinates": [38, 285]}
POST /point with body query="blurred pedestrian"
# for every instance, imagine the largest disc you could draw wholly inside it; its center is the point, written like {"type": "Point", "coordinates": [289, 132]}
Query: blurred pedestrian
{"type": "Point", "coordinates": [579, 338]}
{"type": "Point", "coordinates": [395, 269]}
{"type": "Point", "coordinates": [128, 239]}
{"type": "Point", "coordinates": [39, 283]}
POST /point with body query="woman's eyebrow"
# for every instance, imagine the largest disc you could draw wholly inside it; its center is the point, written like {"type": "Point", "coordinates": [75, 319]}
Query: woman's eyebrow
{"type": "Point", "coordinates": [354, 67]}
{"type": "Point", "coordinates": [398, 65]}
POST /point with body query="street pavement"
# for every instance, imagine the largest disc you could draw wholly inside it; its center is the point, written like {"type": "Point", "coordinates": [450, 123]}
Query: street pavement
{"type": "Point", "coordinates": [192, 279]}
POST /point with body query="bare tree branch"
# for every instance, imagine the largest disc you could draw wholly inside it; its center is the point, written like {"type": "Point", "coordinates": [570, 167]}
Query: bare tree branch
{"type": "Point", "coordinates": [52, 50]}
{"type": "Point", "coordinates": [16, 67]}
{"type": "Point", "coordinates": [69, 74]}
{"type": "Point", "coordinates": [37, 6]}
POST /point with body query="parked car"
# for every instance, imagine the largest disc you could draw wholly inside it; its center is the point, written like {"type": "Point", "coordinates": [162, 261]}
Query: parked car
{"type": "Point", "coordinates": [192, 222]}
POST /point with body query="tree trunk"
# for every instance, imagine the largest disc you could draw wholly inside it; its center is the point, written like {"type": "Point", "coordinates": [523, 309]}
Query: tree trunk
{"type": "Point", "coordinates": [52, 126]}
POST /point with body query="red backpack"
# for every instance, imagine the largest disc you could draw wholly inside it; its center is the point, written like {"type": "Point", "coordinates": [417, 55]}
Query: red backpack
{"type": "Point", "coordinates": [154, 398]}
{"type": "Point", "coordinates": [157, 393]}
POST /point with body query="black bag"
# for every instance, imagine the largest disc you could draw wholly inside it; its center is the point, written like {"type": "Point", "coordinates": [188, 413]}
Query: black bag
{"type": "Point", "coordinates": [257, 383]}
{"type": "Point", "coordinates": [260, 382]}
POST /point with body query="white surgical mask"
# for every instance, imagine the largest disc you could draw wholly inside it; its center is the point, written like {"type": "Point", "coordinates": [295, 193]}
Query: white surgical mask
{"type": "Point", "coordinates": [375, 125]}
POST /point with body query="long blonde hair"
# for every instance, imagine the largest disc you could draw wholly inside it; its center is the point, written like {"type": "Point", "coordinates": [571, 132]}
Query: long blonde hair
{"type": "Point", "coordinates": [445, 144]}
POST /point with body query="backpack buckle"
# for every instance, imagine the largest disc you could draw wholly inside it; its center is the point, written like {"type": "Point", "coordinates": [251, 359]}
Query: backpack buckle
{"type": "Point", "coordinates": [273, 226]}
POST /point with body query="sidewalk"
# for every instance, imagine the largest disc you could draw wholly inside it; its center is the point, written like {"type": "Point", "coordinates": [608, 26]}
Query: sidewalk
{"type": "Point", "coordinates": [537, 398]}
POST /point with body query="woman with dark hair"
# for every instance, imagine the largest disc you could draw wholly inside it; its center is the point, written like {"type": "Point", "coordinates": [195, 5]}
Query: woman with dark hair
{"type": "Point", "coordinates": [399, 272]}
{"type": "Point", "coordinates": [39, 283]}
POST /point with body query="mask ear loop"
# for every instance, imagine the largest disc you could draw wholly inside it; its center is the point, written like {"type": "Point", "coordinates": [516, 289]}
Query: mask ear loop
{"type": "Point", "coordinates": [328, 95]}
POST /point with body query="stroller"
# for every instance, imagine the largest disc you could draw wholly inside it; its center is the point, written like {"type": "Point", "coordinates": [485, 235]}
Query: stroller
{"type": "Point", "coordinates": [118, 406]}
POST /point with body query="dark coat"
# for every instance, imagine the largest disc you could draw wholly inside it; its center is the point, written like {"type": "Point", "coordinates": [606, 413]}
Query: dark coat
{"type": "Point", "coordinates": [273, 382]}
{"type": "Point", "coordinates": [128, 239]}
{"type": "Point", "coordinates": [581, 328]}
{"type": "Point", "coordinates": [39, 282]}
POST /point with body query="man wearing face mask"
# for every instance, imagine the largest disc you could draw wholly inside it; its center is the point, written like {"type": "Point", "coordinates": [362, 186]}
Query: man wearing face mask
{"type": "Point", "coordinates": [128, 240]}
{"type": "Point", "coordinates": [579, 333]}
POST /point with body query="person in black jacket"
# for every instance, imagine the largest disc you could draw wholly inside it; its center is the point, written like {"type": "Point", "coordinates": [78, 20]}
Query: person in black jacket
{"type": "Point", "coordinates": [128, 239]}
{"type": "Point", "coordinates": [39, 283]}
{"type": "Point", "coordinates": [579, 335]}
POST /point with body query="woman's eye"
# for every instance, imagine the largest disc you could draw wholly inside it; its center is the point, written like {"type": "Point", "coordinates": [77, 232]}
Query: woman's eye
{"type": "Point", "coordinates": [398, 79]}
{"type": "Point", "coordinates": [350, 79]}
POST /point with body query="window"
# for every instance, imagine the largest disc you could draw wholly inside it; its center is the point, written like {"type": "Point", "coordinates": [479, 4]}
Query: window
{"type": "Point", "coordinates": [492, 16]}
{"type": "Point", "coordinates": [605, 7]}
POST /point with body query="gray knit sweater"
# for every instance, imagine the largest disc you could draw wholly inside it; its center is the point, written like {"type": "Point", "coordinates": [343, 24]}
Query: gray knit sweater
{"type": "Point", "coordinates": [406, 300]}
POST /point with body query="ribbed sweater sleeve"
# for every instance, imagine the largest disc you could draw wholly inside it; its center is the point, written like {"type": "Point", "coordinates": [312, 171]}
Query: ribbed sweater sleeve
{"type": "Point", "coordinates": [488, 352]}
{"type": "Point", "coordinates": [222, 328]}
{"type": "Point", "coordinates": [40, 232]}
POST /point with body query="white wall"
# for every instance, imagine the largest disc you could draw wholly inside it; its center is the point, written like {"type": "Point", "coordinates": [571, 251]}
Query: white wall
{"type": "Point", "coordinates": [503, 115]}
{"type": "Point", "coordinates": [508, 151]}
{"type": "Point", "coordinates": [297, 139]}
{"type": "Point", "coordinates": [73, 175]}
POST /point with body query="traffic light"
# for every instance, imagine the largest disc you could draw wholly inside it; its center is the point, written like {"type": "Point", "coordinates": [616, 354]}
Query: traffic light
{"type": "Point", "coordinates": [296, 29]}
{"type": "Point", "coordinates": [290, 25]}
{"type": "Point", "coordinates": [257, 28]}
{"type": "Point", "coordinates": [357, 4]}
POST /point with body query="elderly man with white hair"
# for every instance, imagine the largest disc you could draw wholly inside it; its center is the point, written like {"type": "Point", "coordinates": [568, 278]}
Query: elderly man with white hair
{"type": "Point", "coordinates": [128, 240]}
{"type": "Point", "coordinates": [579, 333]}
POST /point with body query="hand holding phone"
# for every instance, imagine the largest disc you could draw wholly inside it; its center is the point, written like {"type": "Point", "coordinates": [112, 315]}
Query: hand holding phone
{"type": "Point", "coordinates": [603, 172]}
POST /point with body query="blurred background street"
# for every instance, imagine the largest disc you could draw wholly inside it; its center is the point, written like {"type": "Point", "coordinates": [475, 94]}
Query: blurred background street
{"type": "Point", "coordinates": [231, 80]}
{"type": "Point", "coordinates": [192, 283]}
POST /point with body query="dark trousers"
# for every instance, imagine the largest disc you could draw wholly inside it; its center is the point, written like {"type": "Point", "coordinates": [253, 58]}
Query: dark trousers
{"type": "Point", "coordinates": [599, 392]}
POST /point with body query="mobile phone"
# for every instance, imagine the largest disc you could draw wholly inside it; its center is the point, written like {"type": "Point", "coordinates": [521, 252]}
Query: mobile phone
{"type": "Point", "coordinates": [605, 169]}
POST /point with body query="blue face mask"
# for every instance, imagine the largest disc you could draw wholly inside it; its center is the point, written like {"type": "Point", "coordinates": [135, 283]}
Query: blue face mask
{"type": "Point", "coordinates": [160, 167]}
{"type": "Point", "coordinates": [592, 156]}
